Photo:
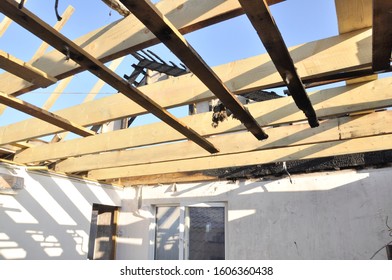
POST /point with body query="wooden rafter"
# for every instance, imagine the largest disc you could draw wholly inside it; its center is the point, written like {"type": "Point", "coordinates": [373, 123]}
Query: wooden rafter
{"type": "Point", "coordinates": [329, 103]}
{"type": "Point", "coordinates": [164, 30]}
{"type": "Point", "coordinates": [313, 61]}
{"type": "Point", "coordinates": [262, 20]}
{"type": "Point", "coordinates": [105, 44]}
{"type": "Point", "coordinates": [41, 51]}
{"type": "Point", "coordinates": [353, 14]}
{"type": "Point", "coordinates": [44, 115]}
{"type": "Point", "coordinates": [90, 96]}
{"type": "Point", "coordinates": [41, 29]}
{"type": "Point", "coordinates": [382, 35]}
{"type": "Point", "coordinates": [25, 71]}
{"type": "Point", "coordinates": [301, 134]}
{"type": "Point", "coordinates": [376, 142]}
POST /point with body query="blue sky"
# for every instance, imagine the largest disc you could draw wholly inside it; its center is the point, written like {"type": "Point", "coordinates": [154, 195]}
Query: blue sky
{"type": "Point", "coordinates": [299, 22]}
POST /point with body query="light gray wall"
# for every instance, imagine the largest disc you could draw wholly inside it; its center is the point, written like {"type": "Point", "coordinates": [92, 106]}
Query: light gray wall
{"type": "Point", "coordinates": [329, 215]}
{"type": "Point", "coordinates": [50, 217]}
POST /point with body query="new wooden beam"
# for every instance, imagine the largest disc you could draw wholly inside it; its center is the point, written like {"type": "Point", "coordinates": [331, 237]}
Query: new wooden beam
{"type": "Point", "coordinates": [353, 14]}
{"type": "Point", "coordinates": [44, 31]}
{"type": "Point", "coordinates": [262, 20]}
{"type": "Point", "coordinates": [328, 103]}
{"type": "Point", "coordinates": [164, 30]}
{"type": "Point", "coordinates": [106, 44]}
{"type": "Point", "coordinates": [25, 71]}
{"type": "Point", "coordinates": [325, 149]}
{"type": "Point", "coordinates": [44, 115]}
{"type": "Point", "coordinates": [314, 60]}
{"type": "Point", "coordinates": [41, 51]}
{"type": "Point", "coordinates": [382, 35]}
{"type": "Point", "coordinates": [284, 136]}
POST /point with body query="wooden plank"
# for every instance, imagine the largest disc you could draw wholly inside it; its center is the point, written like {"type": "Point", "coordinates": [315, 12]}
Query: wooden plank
{"type": "Point", "coordinates": [328, 102]}
{"type": "Point", "coordinates": [25, 71]}
{"type": "Point", "coordinates": [353, 14]}
{"type": "Point", "coordinates": [56, 93]}
{"type": "Point", "coordinates": [285, 136]}
{"type": "Point", "coordinates": [382, 35]}
{"type": "Point", "coordinates": [4, 24]}
{"type": "Point", "coordinates": [340, 147]}
{"type": "Point", "coordinates": [259, 15]}
{"type": "Point", "coordinates": [337, 54]}
{"type": "Point", "coordinates": [128, 35]}
{"type": "Point", "coordinates": [58, 26]}
{"type": "Point", "coordinates": [43, 115]}
{"type": "Point", "coordinates": [44, 31]}
{"type": "Point", "coordinates": [164, 30]}
{"type": "Point", "coordinates": [180, 177]}
{"type": "Point", "coordinates": [91, 95]}
{"type": "Point", "coordinates": [41, 51]}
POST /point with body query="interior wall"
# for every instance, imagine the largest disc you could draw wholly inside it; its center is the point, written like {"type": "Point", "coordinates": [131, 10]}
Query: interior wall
{"type": "Point", "coordinates": [328, 215]}
{"type": "Point", "coordinates": [49, 216]}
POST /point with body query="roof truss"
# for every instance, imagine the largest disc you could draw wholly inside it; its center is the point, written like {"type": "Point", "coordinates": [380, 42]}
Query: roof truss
{"type": "Point", "coordinates": [351, 56]}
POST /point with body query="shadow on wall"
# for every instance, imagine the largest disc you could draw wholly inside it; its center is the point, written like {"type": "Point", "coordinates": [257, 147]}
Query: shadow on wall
{"type": "Point", "coordinates": [50, 217]}
{"type": "Point", "coordinates": [331, 215]}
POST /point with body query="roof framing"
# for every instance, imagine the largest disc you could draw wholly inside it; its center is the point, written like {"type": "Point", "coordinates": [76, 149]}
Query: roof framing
{"type": "Point", "coordinates": [262, 20]}
{"type": "Point", "coordinates": [43, 115]}
{"type": "Point", "coordinates": [350, 51]}
{"type": "Point", "coordinates": [186, 15]}
{"type": "Point", "coordinates": [353, 118]}
{"type": "Point", "coordinates": [72, 51]}
{"type": "Point", "coordinates": [25, 71]}
{"type": "Point", "coordinates": [164, 30]}
{"type": "Point", "coordinates": [382, 35]}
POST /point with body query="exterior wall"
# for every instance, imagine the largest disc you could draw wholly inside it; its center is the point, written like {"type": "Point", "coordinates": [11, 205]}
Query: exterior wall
{"type": "Point", "coordinates": [49, 218]}
{"type": "Point", "coordinates": [329, 215]}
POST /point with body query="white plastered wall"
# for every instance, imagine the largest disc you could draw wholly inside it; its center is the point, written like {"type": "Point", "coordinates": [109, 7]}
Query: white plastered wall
{"type": "Point", "coordinates": [326, 215]}
{"type": "Point", "coordinates": [49, 218]}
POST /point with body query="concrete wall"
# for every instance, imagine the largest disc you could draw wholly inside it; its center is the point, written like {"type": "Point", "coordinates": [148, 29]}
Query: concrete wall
{"type": "Point", "coordinates": [330, 215]}
{"type": "Point", "coordinates": [49, 217]}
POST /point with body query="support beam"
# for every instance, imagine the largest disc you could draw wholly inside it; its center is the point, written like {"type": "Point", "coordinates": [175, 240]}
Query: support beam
{"type": "Point", "coordinates": [4, 24]}
{"type": "Point", "coordinates": [43, 115]}
{"type": "Point", "coordinates": [262, 20]}
{"type": "Point", "coordinates": [353, 14]}
{"type": "Point", "coordinates": [44, 31]}
{"type": "Point", "coordinates": [335, 56]}
{"type": "Point", "coordinates": [106, 44]}
{"type": "Point", "coordinates": [90, 96]}
{"type": "Point", "coordinates": [284, 136]}
{"type": "Point", "coordinates": [41, 51]}
{"type": "Point", "coordinates": [25, 71]}
{"type": "Point", "coordinates": [164, 30]}
{"type": "Point", "coordinates": [382, 35]}
{"type": "Point", "coordinates": [328, 103]}
{"type": "Point", "coordinates": [334, 148]}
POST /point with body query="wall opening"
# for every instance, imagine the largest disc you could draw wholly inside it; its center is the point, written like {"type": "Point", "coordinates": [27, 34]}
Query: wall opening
{"type": "Point", "coordinates": [103, 231]}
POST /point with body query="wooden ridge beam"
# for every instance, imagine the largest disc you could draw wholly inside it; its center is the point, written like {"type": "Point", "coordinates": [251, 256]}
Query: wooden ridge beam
{"type": "Point", "coordinates": [328, 103]}
{"type": "Point", "coordinates": [164, 30]}
{"type": "Point", "coordinates": [284, 136]}
{"type": "Point", "coordinates": [262, 20]}
{"type": "Point", "coordinates": [25, 71]}
{"type": "Point", "coordinates": [309, 151]}
{"type": "Point", "coordinates": [106, 44]}
{"type": "Point", "coordinates": [44, 115]}
{"type": "Point", "coordinates": [334, 56]}
{"type": "Point", "coordinates": [44, 31]}
{"type": "Point", "coordinates": [382, 35]}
